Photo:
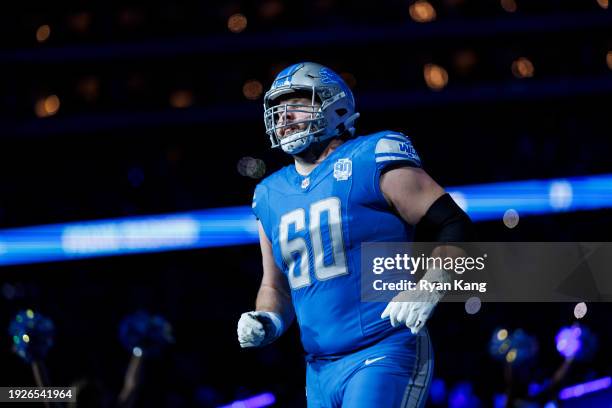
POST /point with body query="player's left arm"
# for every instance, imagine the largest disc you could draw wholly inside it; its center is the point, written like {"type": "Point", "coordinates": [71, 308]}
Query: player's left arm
{"type": "Point", "coordinates": [420, 201]}
{"type": "Point", "coordinates": [410, 191]}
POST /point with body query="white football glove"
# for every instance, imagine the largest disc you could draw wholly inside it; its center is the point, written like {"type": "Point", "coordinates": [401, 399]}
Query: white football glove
{"type": "Point", "coordinates": [257, 329]}
{"type": "Point", "coordinates": [414, 307]}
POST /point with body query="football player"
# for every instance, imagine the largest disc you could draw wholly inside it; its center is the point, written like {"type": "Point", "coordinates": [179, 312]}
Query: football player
{"type": "Point", "coordinates": [313, 216]}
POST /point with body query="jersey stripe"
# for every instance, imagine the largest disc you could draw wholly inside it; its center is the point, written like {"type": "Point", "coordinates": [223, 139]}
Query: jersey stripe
{"type": "Point", "coordinates": [397, 138]}
{"type": "Point", "coordinates": [387, 158]}
{"type": "Point", "coordinates": [394, 154]}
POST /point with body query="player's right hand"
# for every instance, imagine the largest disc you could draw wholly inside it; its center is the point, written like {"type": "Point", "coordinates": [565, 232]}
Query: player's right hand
{"type": "Point", "coordinates": [258, 328]}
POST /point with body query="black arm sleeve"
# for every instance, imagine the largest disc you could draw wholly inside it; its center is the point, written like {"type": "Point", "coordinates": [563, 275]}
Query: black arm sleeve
{"type": "Point", "coordinates": [445, 221]}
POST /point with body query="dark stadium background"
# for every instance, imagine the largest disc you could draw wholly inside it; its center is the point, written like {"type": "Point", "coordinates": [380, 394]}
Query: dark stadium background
{"type": "Point", "coordinates": [124, 143]}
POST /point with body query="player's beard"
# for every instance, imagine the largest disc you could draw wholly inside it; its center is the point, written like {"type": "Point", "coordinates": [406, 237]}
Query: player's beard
{"type": "Point", "coordinates": [312, 153]}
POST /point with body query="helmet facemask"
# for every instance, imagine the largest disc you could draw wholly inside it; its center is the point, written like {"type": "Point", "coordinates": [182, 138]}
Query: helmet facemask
{"type": "Point", "coordinates": [331, 112]}
{"type": "Point", "coordinates": [293, 136]}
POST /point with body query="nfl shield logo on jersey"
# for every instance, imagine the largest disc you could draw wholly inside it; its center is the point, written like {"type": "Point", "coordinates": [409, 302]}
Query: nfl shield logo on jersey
{"type": "Point", "coordinates": [343, 169]}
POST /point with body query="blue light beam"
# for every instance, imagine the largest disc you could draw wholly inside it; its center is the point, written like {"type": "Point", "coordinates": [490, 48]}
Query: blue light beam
{"type": "Point", "coordinates": [237, 225]}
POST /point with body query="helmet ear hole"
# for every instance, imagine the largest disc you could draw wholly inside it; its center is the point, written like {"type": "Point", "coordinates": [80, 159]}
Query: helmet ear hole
{"type": "Point", "coordinates": [341, 112]}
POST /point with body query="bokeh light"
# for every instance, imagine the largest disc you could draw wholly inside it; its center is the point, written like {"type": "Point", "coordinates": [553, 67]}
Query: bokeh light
{"type": "Point", "coordinates": [436, 77]}
{"type": "Point", "coordinates": [251, 167]}
{"type": "Point", "coordinates": [80, 22]}
{"type": "Point", "coordinates": [422, 11]}
{"type": "Point", "coordinates": [237, 23]}
{"type": "Point", "coordinates": [42, 33]}
{"type": "Point", "coordinates": [464, 61]}
{"type": "Point", "coordinates": [568, 341]}
{"type": "Point", "coordinates": [252, 89]}
{"type": "Point", "coordinates": [47, 106]}
{"type": "Point", "coordinates": [89, 88]}
{"type": "Point", "coordinates": [522, 68]}
{"type": "Point", "coordinates": [511, 356]}
{"type": "Point", "coordinates": [511, 218]}
{"type": "Point", "coordinates": [130, 18]}
{"type": "Point", "coordinates": [580, 310]}
{"type": "Point", "coordinates": [509, 5]}
{"type": "Point", "coordinates": [181, 98]}
{"type": "Point", "coordinates": [473, 305]}
{"type": "Point", "coordinates": [271, 8]}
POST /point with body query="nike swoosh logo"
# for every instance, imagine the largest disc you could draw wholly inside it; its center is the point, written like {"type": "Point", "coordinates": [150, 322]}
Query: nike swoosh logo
{"type": "Point", "coordinates": [368, 361]}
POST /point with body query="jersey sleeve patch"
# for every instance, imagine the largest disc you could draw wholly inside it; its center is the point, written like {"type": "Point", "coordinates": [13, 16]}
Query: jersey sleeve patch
{"type": "Point", "coordinates": [395, 147]}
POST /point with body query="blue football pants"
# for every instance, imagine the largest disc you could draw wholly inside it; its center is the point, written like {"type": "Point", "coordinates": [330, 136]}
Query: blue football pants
{"type": "Point", "coordinates": [393, 373]}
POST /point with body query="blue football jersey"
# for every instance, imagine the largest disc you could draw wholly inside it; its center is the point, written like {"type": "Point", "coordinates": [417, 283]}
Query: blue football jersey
{"type": "Point", "coordinates": [316, 225]}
